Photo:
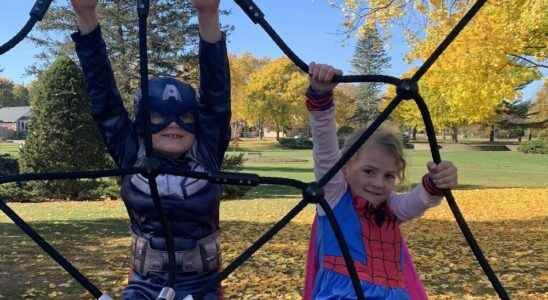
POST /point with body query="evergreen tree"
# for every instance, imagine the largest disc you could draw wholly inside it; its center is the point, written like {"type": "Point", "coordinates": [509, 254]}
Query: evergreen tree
{"type": "Point", "coordinates": [62, 135]}
{"type": "Point", "coordinates": [172, 39]}
{"type": "Point", "coordinates": [369, 58]}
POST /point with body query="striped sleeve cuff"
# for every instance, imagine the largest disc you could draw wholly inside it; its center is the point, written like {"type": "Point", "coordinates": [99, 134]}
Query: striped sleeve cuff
{"type": "Point", "coordinates": [318, 102]}
{"type": "Point", "coordinates": [430, 187]}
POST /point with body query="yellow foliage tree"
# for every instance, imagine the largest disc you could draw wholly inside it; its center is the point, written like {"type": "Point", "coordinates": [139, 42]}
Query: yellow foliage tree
{"type": "Point", "coordinates": [497, 53]}
{"type": "Point", "coordinates": [241, 68]}
{"type": "Point", "coordinates": [274, 95]}
{"type": "Point", "coordinates": [539, 109]}
{"type": "Point", "coordinates": [346, 102]}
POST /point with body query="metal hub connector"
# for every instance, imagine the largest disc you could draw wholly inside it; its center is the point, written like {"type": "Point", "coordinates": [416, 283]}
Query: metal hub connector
{"type": "Point", "coordinates": [407, 89]}
{"type": "Point", "coordinates": [313, 193]}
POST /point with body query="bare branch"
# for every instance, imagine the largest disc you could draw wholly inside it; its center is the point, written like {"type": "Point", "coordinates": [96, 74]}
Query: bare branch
{"type": "Point", "coordinates": [527, 60]}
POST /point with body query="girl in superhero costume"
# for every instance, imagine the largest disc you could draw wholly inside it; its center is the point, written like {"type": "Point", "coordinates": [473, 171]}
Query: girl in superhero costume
{"type": "Point", "coordinates": [364, 203]}
{"type": "Point", "coordinates": [190, 131]}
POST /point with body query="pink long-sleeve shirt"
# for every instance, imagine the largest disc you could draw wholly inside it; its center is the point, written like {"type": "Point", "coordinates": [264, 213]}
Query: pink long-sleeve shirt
{"type": "Point", "coordinates": [326, 153]}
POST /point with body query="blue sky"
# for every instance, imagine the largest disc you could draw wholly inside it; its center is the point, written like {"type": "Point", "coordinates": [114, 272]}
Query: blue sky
{"type": "Point", "coordinates": [310, 27]}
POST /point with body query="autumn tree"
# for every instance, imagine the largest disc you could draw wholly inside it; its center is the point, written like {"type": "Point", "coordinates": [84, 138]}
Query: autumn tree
{"type": "Point", "coordinates": [500, 51]}
{"type": "Point", "coordinates": [6, 92]}
{"type": "Point", "coordinates": [274, 96]}
{"type": "Point", "coordinates": [21, 94]}
{"type": "Point", "coordinates": [241, 68]}
{"type": "Point", "coordinates": [369, 58]}
{"type": "Point", "coordinates": [539, 109]}
{"type": "Point", "coordinates": [346, 104]}
{"type": "Point", "coordinates": [12, 94]}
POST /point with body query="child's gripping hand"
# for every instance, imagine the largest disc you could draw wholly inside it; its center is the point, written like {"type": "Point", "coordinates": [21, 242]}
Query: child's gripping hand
{"type": "Point", "coordinates": [84, 7]}
{"type": "Point", "coordinates": [86, 15]}
{"type": "Point", "coordinates": [206, 6]}
{"type": "Point", "coordinates": [320, 76]}
{"type": "Point", "coordinates": [443, 175]}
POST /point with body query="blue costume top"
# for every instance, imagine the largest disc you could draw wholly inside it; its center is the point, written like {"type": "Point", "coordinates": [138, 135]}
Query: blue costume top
{"type": "Point", "coordinates": [191, 205]}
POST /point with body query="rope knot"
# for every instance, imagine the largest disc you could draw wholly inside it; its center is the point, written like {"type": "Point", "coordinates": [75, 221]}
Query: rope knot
{"type": "Point", "coordinates": [407, 89]}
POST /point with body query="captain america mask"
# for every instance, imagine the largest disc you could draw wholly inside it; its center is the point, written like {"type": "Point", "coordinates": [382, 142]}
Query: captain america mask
{"type": "Point", "coordinates": [170, 101]}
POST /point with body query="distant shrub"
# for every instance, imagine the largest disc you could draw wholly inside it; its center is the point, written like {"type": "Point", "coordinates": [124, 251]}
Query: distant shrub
{"type": "Point", "coordinates": [296, 143]}
{"type": "Point", "coordinates": [344, 131]}
{"type": "Point", "coordinates": [8, 165]}
{"type": "Point", "coordinates": [10, 192]}
{"type": "Point", "coordinates": [234, 163]}
{"type": "Point", "coordinates": [539, 146]}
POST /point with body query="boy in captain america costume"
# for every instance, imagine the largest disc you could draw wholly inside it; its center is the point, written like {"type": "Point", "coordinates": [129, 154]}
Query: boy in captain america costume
{"type": "Point", "coordinates": [187, 134]}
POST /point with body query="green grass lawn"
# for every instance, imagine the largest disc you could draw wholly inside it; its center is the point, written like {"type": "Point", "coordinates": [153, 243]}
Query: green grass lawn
{"type": "Point", "coordinates": [476, 168]}
{"type": "Point", "coordinates": [10, 148]}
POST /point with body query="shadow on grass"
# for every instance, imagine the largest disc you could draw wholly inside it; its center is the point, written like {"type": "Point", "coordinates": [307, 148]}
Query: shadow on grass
{"type": "Point", "coordinates": [252, 169]}
{"type": "Point", "coordinates": [100, 248]}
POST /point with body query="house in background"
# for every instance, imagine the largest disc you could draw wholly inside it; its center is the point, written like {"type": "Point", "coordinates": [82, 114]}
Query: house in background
{"type": "Point", "coordinates": [14, 121]}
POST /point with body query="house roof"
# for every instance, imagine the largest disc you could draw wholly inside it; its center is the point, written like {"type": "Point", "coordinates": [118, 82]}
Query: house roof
{"type": "Point", "coordinates": [12, 114]}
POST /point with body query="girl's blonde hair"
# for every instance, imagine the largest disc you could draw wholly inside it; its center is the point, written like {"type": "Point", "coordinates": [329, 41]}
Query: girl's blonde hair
{"type": "Point", "coordinates": [386, 137]}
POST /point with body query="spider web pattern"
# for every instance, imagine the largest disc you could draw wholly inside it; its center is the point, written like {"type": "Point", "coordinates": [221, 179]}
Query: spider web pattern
{"type": "Point", "coordinates": [382, 245]}
{"type": "Point", "coordinates": [406, 89]}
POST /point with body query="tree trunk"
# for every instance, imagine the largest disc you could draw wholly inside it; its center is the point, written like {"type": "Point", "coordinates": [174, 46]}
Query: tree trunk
{"type": "Point", "coordinates": [261, 131]}
{"type": "Point", "coordinates": [259, 128]}
{"type": "Point", "coordinates": [414, 134]}
{"type": "Point", "coordinates": [454, 135]}
{"type": "Point", "coordinates": [492, 134]}
{"type": "Point", "coordinates": [444, 134]}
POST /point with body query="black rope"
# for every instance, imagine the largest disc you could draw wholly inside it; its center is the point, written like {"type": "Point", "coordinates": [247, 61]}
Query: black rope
{"type": "Point", "coordinates": [240, 260]}
{"type": "Point", "coordinates": [311, 194]}
{"type": "Point", "coordinates": [497, 285]}
{"type": "Point", "coordinates": [69, 175]}
{"type": "Point", "coordinates": [257, 16]}
{"type": "Point", "coordinates": [231, 178]}
{"type": "Point", "coordinates": [36, 14]}
{"type": "Point", "coordinates": [142, 10]}
{"type": "Point", "coordinates": [406, 89]}
{"type": "Point", "coordinates": [349, 262]}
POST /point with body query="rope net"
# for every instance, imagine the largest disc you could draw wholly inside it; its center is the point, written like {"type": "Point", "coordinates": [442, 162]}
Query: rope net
{"type": "Point", "coordinates": [406, 89]}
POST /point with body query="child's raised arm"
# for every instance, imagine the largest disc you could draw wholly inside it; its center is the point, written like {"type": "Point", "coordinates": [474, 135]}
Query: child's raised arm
{"type": "Point", "coordinates": [107, 108]}
{"type": "Point", "coordinates": [428, 194]}
{"type": "Point", "coordinates": [215, 113]}
{"type": "Point", "coordinates": [319, 101]}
